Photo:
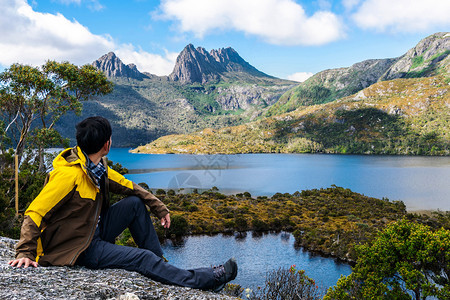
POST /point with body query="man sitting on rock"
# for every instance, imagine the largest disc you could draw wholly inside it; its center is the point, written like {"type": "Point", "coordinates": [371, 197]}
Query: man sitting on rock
{"type": "Point", "coordinates": [71, 221]}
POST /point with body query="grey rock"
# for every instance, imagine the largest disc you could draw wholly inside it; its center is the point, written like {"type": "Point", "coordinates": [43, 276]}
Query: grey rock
{"type": "Point", "coordinates": [433, 51]}
{"type": "Point", "coordinates": [244, 97]}
{"type": "Point", "coordinates": [354, 78]}
{"type": "Point", "coordinates": [199, 65]}
{"type": "Point", "coordinates": [233, 62]}
{"type": "Point", "coordinates": [81, 283]}
{"type": "Point", "coordinates": [195, 65]}
{"type": "Point", "coordinates": [112, 66]}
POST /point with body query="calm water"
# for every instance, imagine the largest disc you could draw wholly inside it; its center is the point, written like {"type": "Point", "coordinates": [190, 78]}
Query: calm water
{"type": "Point", "coordinates": [255, 256]}
{"type": "Point", "coordinates": [420, 182]}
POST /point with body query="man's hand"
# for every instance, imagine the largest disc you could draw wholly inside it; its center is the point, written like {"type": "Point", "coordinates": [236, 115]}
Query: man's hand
{"type": "Point", "coordinates": [165, 221]}
{"type": "Point", "coordinates": [26, 262]}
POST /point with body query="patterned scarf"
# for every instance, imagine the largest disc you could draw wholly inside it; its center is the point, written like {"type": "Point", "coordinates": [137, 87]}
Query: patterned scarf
{"type": "Point", "coordinates": [96, 170]}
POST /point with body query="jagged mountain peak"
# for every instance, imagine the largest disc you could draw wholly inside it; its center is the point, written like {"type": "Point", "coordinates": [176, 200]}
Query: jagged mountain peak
{"type": "Point", "coordinates": [233, 62]}
{"type": "Point", "coordinates": [112, 66]}
{"type": "Point", "coordinates": [199, 65]}
{"type": "Point", "coordinates": [225, 54]}
{"type": "Point", "coordinates": [195, 65]}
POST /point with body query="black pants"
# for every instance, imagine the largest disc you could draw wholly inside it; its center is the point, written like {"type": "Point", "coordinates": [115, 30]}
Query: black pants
{"type": "Point", "coordinates": [102, 253]}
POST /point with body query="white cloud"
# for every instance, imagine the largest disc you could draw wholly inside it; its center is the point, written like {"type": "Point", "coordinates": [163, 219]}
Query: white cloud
{"type": "Point", "coordinates": [324, 4]}
{"type": "Point", "coordinates": [402, 15]}
{"type": "Point", "coordinates": [300, 76]}
{"type": "Point", "coordinates": [95, 5]}
{"type": "Point", "coordinates": [31, 37]}
{"type": "Point", "coordinates": [147, 62]}
{"type": "Point", "coordinates": [91, 4]}
{"type": "Point", "coordinates": [282, 22]}
{"type": "Point", "coordinates": [349, 4]}
{"type": "Point", "coordinates": [69, 1]}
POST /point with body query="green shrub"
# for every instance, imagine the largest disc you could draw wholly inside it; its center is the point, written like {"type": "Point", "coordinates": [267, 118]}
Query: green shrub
{"type": "Point", "coordinates": [259, 225]}
{"type": "Point", "coordinates": [234, 290]}
{"type": "Point", "coordinates": [406, 260]}
{"type": "Point", "coordinates": [178, 226]}
{"type": "Point", "coordinates": [160, 192]}
{"type": "Point", "coordinates": [241, 223]}
{"type": "Point", "coordinates": [126, 239]}
{"type": "Point", "coordinates": [288, 283]}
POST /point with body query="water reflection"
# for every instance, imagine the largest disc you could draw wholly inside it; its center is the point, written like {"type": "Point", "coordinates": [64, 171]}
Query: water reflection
{"type": "Point", "coordinates": [256, 254]}
{"type": "Point", "coordinates": [240, 236]}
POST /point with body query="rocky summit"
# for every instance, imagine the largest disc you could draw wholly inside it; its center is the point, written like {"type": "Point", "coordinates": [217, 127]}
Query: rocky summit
{"type": "Point", "coordinates": [199, 65]}
{"type": "Point", "coordinates": [81, 283]}
{"type": "Point", "coordinates": [429, 57]}
{"type": "Point", "coordinates": [112, 66]}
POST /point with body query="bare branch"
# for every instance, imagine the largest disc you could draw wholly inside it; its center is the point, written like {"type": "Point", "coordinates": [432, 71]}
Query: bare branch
{"type": "Point", "coordinates": [7, 127]}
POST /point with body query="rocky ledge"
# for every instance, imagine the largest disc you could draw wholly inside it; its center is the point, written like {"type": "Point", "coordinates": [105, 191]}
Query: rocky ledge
{"type": "Point", "coordinates": [81, 283]}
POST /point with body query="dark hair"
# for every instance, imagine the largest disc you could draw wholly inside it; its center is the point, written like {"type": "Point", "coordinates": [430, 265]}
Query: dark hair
{"type": "Point", "coordinates": [93, 133]}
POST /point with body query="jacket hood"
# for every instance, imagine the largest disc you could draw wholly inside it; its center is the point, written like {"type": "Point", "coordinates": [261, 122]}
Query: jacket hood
{"type": "Point", "coordinates": [70, 157]}
{"type": "Point", "coordinates": [75, 156]}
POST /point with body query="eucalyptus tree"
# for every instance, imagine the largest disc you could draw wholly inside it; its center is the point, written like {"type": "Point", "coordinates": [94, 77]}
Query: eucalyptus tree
{"type": "Point", "coordinates": [33, 99]}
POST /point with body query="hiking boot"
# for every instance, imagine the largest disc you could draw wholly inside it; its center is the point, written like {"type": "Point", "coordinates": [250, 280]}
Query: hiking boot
{"type": "Point", "coordinates": [224, 273]}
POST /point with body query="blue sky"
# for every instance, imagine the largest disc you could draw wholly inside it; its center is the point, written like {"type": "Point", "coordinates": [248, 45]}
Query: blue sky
{"type": "Point", "coordinates": [283, 38]}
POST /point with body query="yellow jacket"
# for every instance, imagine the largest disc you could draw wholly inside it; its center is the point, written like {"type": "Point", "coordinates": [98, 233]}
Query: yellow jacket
{"type": "Point", "coordinates": [60, 222]}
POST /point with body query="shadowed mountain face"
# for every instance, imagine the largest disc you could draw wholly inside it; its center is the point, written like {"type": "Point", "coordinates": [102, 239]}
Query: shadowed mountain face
{"type": "Point", "coordinates": [199, 65]}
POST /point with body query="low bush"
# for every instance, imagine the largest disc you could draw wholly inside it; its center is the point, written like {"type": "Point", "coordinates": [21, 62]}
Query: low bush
{"type": "Point", "coordinates": [286, 283]}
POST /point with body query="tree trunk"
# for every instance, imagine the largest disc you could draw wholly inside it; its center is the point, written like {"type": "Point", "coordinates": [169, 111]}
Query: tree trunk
{"type": "Point", "coordinates": [20, 147]}
{"type": "Point", "coordinates": [23, 135]}
{"type": "Point", "coordinates": [41, 160]}
{"type": "Point", "coordinates": [417, 293]}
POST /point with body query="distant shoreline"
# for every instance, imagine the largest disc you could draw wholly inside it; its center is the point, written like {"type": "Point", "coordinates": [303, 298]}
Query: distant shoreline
{"type": "Point", "coordinates": [133, 151]}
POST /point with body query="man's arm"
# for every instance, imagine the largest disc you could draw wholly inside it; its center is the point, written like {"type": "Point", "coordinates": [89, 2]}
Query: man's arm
{"type": "Point", "coordinates": [120, 185]}
{"type": "Point", "coordinates": [58, 188]}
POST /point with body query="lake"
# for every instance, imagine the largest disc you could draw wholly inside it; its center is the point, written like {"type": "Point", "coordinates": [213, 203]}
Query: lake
{"type": "Point", "coordinates": [255, 255]}
{"type": "Point", "coordinates": [422, 183]}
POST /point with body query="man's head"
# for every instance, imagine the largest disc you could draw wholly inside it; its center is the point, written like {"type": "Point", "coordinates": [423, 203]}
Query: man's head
{"type": "Point", "coordinates": [92, 134]}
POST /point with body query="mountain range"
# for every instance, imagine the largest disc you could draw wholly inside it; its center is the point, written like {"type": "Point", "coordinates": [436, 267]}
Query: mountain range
{"type": "Point", "coordinates": [206, 89]}
{"type": "Point", "coordinates": [429, 57]}
{"type": "Point", "coordinates": [218, 89]}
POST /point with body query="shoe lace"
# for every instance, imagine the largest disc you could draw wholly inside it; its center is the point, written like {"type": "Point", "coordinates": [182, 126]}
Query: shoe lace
{"type": "Point", "coordinates": [218, 271]}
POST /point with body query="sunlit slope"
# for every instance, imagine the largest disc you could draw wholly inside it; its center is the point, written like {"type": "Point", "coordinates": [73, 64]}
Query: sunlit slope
{"type": "Point", "coordinates": [430, 57]}
{"type": "Point", "coordinates": [401, 116]}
